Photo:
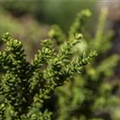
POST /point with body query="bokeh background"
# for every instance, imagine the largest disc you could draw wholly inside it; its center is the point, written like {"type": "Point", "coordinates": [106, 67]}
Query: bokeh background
{"type": "Point", "coordinates": [31, 20]}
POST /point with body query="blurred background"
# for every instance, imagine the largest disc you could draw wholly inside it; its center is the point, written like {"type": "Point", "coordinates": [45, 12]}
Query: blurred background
{"type": "Point", "coordinates": [31, 20]}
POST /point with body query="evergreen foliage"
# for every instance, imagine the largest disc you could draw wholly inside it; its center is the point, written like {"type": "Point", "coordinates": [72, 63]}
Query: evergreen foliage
{"type": "Point", "coordinates": [90, 95]}
{"type": "Point", "coordinates": [24, 85]}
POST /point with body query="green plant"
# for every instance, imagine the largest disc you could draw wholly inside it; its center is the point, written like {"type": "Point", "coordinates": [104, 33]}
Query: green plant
{"type": "Point", "coordinates": [24, 86]}
{"type": "Point", "coordinates": [90, 95]}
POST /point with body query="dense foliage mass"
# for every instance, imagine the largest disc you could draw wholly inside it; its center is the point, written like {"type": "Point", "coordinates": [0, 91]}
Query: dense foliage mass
{"type": "Point", "coordinates": [24, 85]}
{"type": "Point", "coordinates": [90, 95]}
{"type": "Point", "coordinates": [29, 90]}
